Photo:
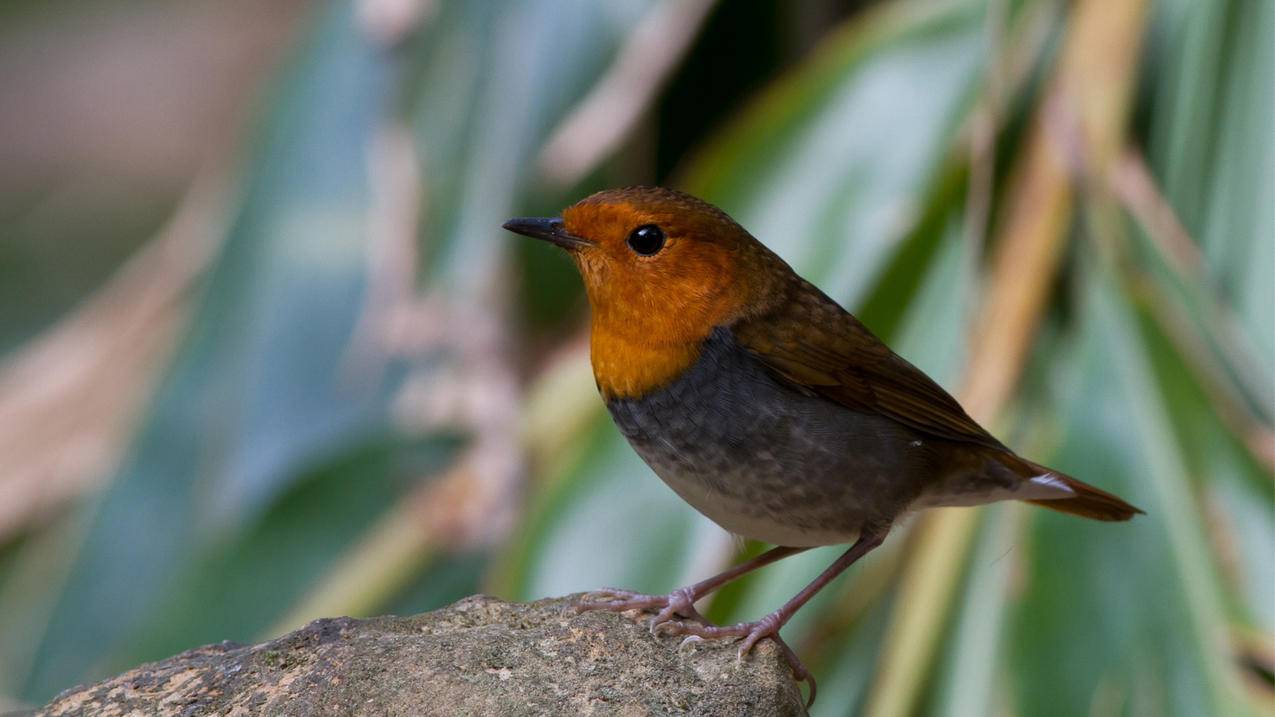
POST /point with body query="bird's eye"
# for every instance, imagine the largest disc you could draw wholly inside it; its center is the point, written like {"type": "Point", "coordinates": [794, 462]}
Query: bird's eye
{"type": "Point", "coordinates": [646, 239]}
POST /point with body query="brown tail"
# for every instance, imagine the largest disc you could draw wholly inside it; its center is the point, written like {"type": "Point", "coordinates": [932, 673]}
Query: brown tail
{"type": "Point", "coordinates": [1088, 501]}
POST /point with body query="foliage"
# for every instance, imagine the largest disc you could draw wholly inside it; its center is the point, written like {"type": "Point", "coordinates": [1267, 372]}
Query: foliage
{"type": "Point", "coordinates": [380, 401]}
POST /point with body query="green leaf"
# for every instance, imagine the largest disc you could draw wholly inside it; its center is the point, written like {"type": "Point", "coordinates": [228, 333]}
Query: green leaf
{"type": "Point", "coordinates": [480, 117]}
{"type": "Point", "coordinates": [971, 668]}
{"type": "Point", "coordinates": [260, 388]}
{"type": "Point", "coordinates": [830, 166]}
{"type": "Point", "coordinates": [609, 523]}
{"type": "Point", "coordinates": [237, 588]}
{"type": "Point", "coordinates": [1213, 147]}
{"type": "Point", "coordinates": [1121, 615]}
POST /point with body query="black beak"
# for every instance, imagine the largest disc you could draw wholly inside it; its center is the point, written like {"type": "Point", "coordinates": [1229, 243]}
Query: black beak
{"type": "Point", "coordinates": [549, 229]}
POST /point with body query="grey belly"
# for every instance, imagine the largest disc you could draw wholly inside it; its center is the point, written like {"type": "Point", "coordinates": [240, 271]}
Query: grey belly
{"type": "Point", "coordinates": [767, 461]}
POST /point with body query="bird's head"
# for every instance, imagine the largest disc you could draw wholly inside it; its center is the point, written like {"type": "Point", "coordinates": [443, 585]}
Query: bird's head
{"type": "Point", "coordinates": [662, 269]}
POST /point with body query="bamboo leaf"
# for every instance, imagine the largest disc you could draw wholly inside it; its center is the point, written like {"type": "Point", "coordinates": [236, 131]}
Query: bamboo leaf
{"type": "Point", "coordinates": [257, 391]}
{"type": "Point", "coordinates": [1088, 587]}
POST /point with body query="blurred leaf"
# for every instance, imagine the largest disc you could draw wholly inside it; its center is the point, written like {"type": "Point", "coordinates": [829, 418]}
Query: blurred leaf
{"type": "Point", "coordinates": [480, 117]}
{"type": "Point", "coordinates": [1222, 466]}
{"type": "Point", "coordinates": [258, 573]}
{"type": "Point", "coordinates": [56, 250]}
{"type": "Point", "coordinates": [970, 670]}
{"type": "Point", "coordinates": [1249, 533]}
{"type": "Point", "coordinates": [260, 390]}
{"type": "Point", "coordinates": [454, 576]}
{"type": "Point", "coordinates": [33, 567]}
{"type": "Point", "coordinates": [829, 167]}
{"type": "Point", "coordinates": [845, 679]}
{"type": "Point", "coordinates": [1099, 595]}
{"type": "Point", "coordinates": [609, 523]}
{"type": "Point", "coordinates": [1241, 221]}
{"type": "Point", "coordinates": [1212, 143]}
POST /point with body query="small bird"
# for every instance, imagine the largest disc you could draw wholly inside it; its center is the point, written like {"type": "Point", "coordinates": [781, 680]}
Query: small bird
{"type": "Point", "coordinates": [767, 406]}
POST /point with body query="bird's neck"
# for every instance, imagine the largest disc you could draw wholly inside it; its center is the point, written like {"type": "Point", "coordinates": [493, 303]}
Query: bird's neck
{"type": "Point", "coordinates": [647, 330]}
{"type": "Point", "coordinates": [629, 365]}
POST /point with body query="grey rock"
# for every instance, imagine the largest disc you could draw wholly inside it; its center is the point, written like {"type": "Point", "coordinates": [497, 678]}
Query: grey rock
{"type": "Point", "coordinates": [480, 656]}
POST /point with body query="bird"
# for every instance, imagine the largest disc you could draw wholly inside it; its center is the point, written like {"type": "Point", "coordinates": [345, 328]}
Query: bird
{"type": "Point", "coordinates": [767, 406]}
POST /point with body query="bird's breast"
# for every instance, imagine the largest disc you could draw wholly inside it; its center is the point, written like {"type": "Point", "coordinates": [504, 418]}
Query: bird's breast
{"type": "Point", "coordinates": [765, 460]}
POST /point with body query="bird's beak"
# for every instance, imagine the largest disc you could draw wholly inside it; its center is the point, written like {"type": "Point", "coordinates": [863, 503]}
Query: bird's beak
{"type": "Point", "coordinates": [549, 229]}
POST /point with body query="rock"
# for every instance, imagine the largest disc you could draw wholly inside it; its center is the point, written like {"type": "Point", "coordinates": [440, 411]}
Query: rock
{"type": "Point", "coordinates": [480, 656]}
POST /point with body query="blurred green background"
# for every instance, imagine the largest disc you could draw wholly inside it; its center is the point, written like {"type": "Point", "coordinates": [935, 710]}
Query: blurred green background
{"type": "Point", "coordinates": [267, 355]}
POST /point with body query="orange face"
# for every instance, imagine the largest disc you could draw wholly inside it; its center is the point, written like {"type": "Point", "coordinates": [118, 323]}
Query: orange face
{"type": "Point", "coordinates": [662, 270]}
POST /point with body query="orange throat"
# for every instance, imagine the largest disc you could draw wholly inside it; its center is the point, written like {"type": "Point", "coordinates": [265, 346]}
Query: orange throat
{"type": "Point", "coordinates": [648, 327]}
{"type": "Point", "coordinates": [631, 367]}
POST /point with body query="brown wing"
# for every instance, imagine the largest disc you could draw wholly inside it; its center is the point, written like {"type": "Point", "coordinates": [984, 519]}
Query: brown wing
{"type": "Point", "coordinates": [813, 343]}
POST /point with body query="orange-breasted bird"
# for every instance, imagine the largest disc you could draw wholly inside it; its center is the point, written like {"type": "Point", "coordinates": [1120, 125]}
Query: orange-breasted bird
{"type": "Point", "coordinates": [765, 405]}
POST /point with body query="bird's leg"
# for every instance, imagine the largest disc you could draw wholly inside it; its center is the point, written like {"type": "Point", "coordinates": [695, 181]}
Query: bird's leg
{"type": "Point", "coordinates": [770, 625]}
{"type": "Point", "coordinates": [682, 600]}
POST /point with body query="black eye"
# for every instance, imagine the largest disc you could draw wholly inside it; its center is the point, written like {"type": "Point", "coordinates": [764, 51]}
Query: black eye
{"type": "Point", "coordinates": [646, 239]}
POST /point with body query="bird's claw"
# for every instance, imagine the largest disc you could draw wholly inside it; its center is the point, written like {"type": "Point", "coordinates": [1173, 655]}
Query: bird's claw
{"type": "Point", "coordinates": [688, 641]}
{"type": "Point", "coordinates": [696, 628]}
{"type": "Point", "coordinates": [657, 624]}
{"type": "Point", "coordinates": [679, 603]}
{"type": "Point", "coordinates": [751, 633]}
{"type": "Point", "coordinates": [614, 600]}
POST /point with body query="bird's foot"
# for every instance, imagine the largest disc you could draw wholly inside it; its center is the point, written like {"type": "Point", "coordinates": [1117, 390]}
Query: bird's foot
{"type": "Point", "coordinates": [679, 603]}
{"type": "Point", "coordinates": [751, 633]}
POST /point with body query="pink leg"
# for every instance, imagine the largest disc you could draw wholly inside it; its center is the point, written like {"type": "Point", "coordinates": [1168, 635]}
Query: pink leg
{"type": "Point", "coordinates": [682, 601]}
{"type": "Point", "coordinates": [770, 625]}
